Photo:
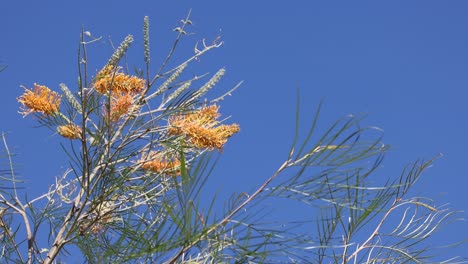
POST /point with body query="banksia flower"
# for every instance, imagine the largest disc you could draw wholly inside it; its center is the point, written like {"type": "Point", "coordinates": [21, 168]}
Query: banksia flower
{"type": "Point", "coordinates": [201, 129]}
{"type": "Point", "coordinates": [41, 99]}
{"type": "Point", "coordinates": [156, 162]}
{"type": "Point", "coordinates": [110, 78]}
{"type": "Point", "coordinates": [70, 131]}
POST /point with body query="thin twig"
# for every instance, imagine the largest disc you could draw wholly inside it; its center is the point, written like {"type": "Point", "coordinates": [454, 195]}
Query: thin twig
{"type": "Point", "coordinates": [230, 215]}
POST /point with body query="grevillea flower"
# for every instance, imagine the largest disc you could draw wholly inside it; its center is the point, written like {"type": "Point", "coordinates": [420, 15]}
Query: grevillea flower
{"type": "Point", "coordinates": [41, 99]}
{"type": "Point", "coordinates": [156, 162]}
{"type": "Point", "coordinates": [121, 104]}
{"type": "Point", "coordinates": [201, 129]}
{"type": "Point", "coordinates": [70, 131]}
{"type": "Point", "coordinates": [111, 78]}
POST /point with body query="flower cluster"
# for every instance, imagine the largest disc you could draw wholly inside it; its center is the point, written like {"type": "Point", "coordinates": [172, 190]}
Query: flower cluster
{"type": "Point", "coordinates": [111, 79]}
{"type": "Point", "coordinates": [41, 100]}
{"type": "Point", "coordinates": [122, 89]}
{"type": "Point", "coordinates": [156, 162]}
{"type": "Point", "coordinates": [201, 128]}
{"type": "Point", "coordinates": [198, 129]}
{"type": "Point", "coordinates": [120, 105]}
{"type": "Point", "coordinates": [70, 131]}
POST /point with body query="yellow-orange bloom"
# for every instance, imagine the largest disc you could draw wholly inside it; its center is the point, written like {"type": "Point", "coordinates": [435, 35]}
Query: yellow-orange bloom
{"type": "Point", "coordinates": [201, 128]}
{"type": "Point", "coordinates": [109, 77]}
{"type": "Point", "coordinates": [70, 131]}
{"type": "Point", "coordinates": [41, 99]}
{"type": "Point", "coordinates": [120, 105]}
{"type": "Point", "coordinates": [157, 163]}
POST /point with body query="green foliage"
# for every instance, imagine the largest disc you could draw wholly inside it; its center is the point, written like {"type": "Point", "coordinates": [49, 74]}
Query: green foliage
{"type": "Point", "coordinates": [141, 150]}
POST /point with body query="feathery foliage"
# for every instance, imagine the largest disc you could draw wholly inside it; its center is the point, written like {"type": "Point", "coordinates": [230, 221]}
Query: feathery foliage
{"type": "Point", "coordinates": [142, 150]}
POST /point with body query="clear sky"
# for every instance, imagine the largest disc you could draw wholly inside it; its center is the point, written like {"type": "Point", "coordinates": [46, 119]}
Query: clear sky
{"type": "Point", "coordinates": [402, 63]}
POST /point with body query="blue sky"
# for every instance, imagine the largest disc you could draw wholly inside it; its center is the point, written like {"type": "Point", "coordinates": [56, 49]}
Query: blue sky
{"type": "Point", "coordinates": [402, 63]}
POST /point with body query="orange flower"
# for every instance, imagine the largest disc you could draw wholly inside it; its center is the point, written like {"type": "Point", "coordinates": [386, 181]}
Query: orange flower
{"type": "Point", "coordinates": [201, 128]}
{"type": "Point", "coordinates": [70, 131]}
{"type": "Point", "coordinates": [120, 105]}
{"type": "Point", "coordinates": [156, 162]}
{"type": "Point", "coordinates": [41, 100]}
{"type": "Point", "coordinates": [109, 77]}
